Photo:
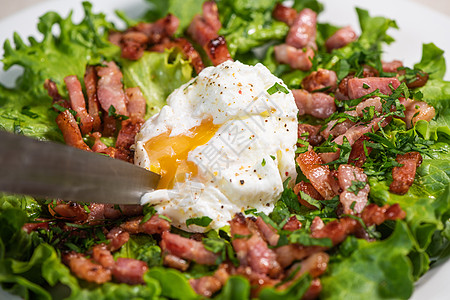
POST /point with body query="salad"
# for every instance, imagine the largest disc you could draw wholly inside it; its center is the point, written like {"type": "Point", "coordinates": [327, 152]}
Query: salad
{"type": "Point", "coordinates": [366, 215]}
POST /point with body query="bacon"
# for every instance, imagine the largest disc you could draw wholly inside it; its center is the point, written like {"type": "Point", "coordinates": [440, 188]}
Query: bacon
{"type": "Point", "coordinates": [78, 104]}
{"type": "Point", "coordinates": [133, 44]}
{"type": "Point", "coordinates": [319, 105]}
{"type": "Point", "coordinates": [159, 30]}
{"type": "Point", "coordinates": [205, 286]}
{"type": "Point", "coordinates": [130, 271]}
{"type": "Point", "coordinates": [318, 174]}
{"type": "Point", "coordinates": [359, 87]}
{"type": "Point", "coordinates": [204, 30]}
{"type": "Point", "coordinates": [317, 224]}
{"type": "Point", "coordinates": [420, 80]}
{"type": "Point", "coordinates": [110, 88]}
{"type": "Point", "coordinates": [155, 225]}
{"type": "Point", "coordinates": [347, 176]}
{"type": "Point", "coordinates": [117, 238]}
{"type": "Point", "coordinates": [310, 133]}
{"type": "Point", "coordinates": [187, 249]}
{"type": "Point", "coordinates": [357, 155]}
{"type": "Point", "coordinates": [296, 58]}
{"type": "Point", "coordinates": [341, 38]}
{"type": "Point", "coordinates": [315, 265]}
{"type": "Point", "coordinates": [303, 31]}
{"type": "Point", "coordinates": [321, 79]}
{"type": "Point", "coordinates": [70, 130]}
{"type": "Point", "coordinates": [336, 129]}
{"type": "Point", "coordinates": [314, 290]}
{"type": "Point", "coordinates": [86, 269]}
{"type": "Point", "coordinates": [117, 211]}
{"type": "Point", "coordinates": [175, 262]}
{"type": "Point", "coordinates": [287, 254]}
{"type": "Point", "coordinates": [251, 249]}
{"type": "Point", "coordinates": [52, 91]}
{"type": "Point", "coordinates": [68, 211]}
{"type": "Point", "coordinates": [284, 14]}
{"type": "Point", "coordinates": [103, 256]}
{"type": "Point", "coordinates": [376, 215]}
{"type": "Point", "coordinates": [125, 138]}
{"type": "Point", "coordinates": [100, 147]}
{"type": "Point", "coordinates": [392, 66]}
{"type": "Point", "coordinates": [267, 231]}
{"type": "Point", "coordinates": [38, 224]}
{"type": "Point", "coordinates": [186, 48]}
{"type": "Point", "coordinates": [109, 124]}
{"type": "Point", "coordinates": [337, 230]}
{"type": "Point", "coordinates": [416, 110]}
{"type": "Point", "coordinates": [292, 224]}
{"type": "Point", "coordinates": [90, 82]}
{"type": "Point", "coordinates": [403, 177]}
{"type": "Point", "coordinates": [309, 189]}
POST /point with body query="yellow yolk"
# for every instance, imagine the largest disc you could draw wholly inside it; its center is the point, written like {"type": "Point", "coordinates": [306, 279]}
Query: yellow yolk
{"type": "Point", "coordinates": [168, 154]}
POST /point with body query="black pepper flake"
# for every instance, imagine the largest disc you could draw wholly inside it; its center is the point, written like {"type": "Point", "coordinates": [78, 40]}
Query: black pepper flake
{"type": "Point", "coordinates": [242, 181]}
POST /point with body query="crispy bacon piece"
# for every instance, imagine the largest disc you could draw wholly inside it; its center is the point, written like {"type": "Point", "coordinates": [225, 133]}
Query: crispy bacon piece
{"type": "Point", "coordinates": [416, 110]}
{"type": "Point", "coordinates": [109, 124]}
{"type": "Point", "coordinates": [358, 87]}
{"type": "Point", "coordinates": [39, 224]}
{"type": "Point", "coordinates": [187, 249]}
{"type": "Point", "coordinates": [341, 38]}
{"type": "Point", "coordinates": [292, 224]}
{"type": "Point", "coordinates": [52, 91]}
{"type": "Point", "coordinates": [155, 225]}
{"type": "Point", "coordinates": [90, 81]}
{"type": "Point", "coordinates": [125, 138]}
{"type": "Point", "coordinates": [110, 88]}
{"type": "Point", "coordinates": [322, 79]}
{"type": "Point", "coordinates": [303, 31]}
{"type": "Point", "coordinates": [68, 211]}
{"type": "Point", "coordinates": [319, 105]}
{"type": "Point", "coordinates": [317, 224]}
{"type": "Point", "coordinates": [204, 30]}
{"type": "Point", "coordinates": [268, 232]}
{"type": "Point", "coordinates": [357, 155]}
{"type": "Point", "coordinates": [310, 133]}
{"type": "Point", "coordinates": [100, 147]}
{"type": "Point", "coordinates": [117, 238]}
{"type": "Point", "coordinates": [375, 215]}
{"type": "Point", "coordinates": [205, 286]}
{"type": "Point", "coordinates": [186, 48]}
{"type": "Point", "coordinates": [318, 174]}
{"type": "Point", "coordinates": [337, 230]}
{"type": "Point", "coordinates": [78, 103]}
{"type": "Point", "coordinates": [117, 211]}
{"type": "Point", "coordinates": [296, 58]}
{"type": "Point", "coordinates": [175, 262]}
{"type": "Point", "coordinates": [130, 271]}
{"type": "Point", "coordinates": [315, 265]}
{"type": "Point", "coordinates": [403, 177]}
{"type": "Point", "coordinates": [309, 189]}
{"type": "Point", "coordinates": [314, 290]}
{"type": "Point", "coordinates": [70, 130]}
{"type": "Point", "coordinates": [336, 129]}
{"type": "Point", "coordinates": [86, 269]}
{"type": "Point", "coordinates": [420, 80]}
{"type": "Point", "coordinates": [103, 256]}
{"type": "Point", "coordinates": [353, 201]}
{"type": "Point", "coordinates": [284, 14]}
{"type": "Point", "coordinates": [251, 249]}
{"type": "Point", "coordinates": [156, 32]}
{"type": "Point", "coordinates": [133, 44]}
{"type": "Point", "coordinates": [391, 66]}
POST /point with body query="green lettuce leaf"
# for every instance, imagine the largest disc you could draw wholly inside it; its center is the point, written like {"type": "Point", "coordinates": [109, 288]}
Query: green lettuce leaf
{"type": "Point", "coordinates": [141, 247]}
{"type": "Point", "coordinates": [174, 284]}
{"type": "Point", "coordinates": [432, 62]}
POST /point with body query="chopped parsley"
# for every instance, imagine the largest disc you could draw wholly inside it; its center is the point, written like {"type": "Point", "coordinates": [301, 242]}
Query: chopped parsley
{"type": "Point", "coordinates": [201, 221]}
{"type": "Point", "coordinates": [277, 88]}
{"type": "Point", "coordinates": [356, 186]}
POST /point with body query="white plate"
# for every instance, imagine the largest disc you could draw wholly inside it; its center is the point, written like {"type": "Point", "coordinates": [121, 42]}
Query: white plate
{"type": "Point", "coordinates": [418, 24]}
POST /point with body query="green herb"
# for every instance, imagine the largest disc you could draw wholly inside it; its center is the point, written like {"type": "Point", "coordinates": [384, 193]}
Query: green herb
{"type": "Point", "coordinates": [263, 163]}
{"type": "Point", "coordinates": [148, 212]}
{"type": "Point", "coordinates": [250, 211]}
{"type": "Point", "coordinates": [366, 86]}
{"type": "Point", "coordinates": [277, 88]}
{"type": "Point", "coordinates": [356, 186]}
{"type": "Point", "coordinates": [26, 111]}
{"type": "Point", "coordinates": [303, 238]}
{"type": "Point", "coordinates": [165, 218]}
{"type": "Point", "coordinates": [201, 221]}
{"type": "Point", "coordinates": [112, 113]}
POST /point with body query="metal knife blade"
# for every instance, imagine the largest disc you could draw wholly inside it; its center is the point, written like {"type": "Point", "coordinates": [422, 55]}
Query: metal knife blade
{"type": "Point", "coordinates": [48, 169]}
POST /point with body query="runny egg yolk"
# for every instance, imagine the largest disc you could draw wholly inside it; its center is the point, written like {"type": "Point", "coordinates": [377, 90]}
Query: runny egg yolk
{"type": "Point", "coordinates": [168, 154]}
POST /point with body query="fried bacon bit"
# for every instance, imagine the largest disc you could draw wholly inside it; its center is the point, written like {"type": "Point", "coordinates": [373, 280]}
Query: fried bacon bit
{"type": "Point", "coordinates": [403, 177]}
{"type": "Point", "coordinates": [284, 14]}
{"type": "Point", "coordinates": [319, 105]}
{"type": "Point", "coordinates": [375, 215]}
{"type": "Point", "coordinates": [292, 224]}
{"type": "Point", "coordinates": [341, 38]}
{"type": "Point", "coordinates": [317, 224]}
{"type": "Point", "coordinates": [71, 132]}
{"type": "Point", "coordinates": [296, 58]}
{"type": "Point", "coordinates": [303, 31]}
{"type": "Point", "coordinates": [420, 80]}
{"type": "Point", "coordinates": [110, 88]}
{"type": "Point", "coordinates": [117, 238]}
{"type": "Point", "coordinates": [52, 91]}
{"type": "Point", "coordinates": [310, 133]}
{"type": "Point", "coordinates": [86, 269]}
{"type": "Point", "coordinates": [357, 156]}
{"type": "Point", "coordinates": [175, 262]}
{"type": "Point", "coordinates": [318, 174]}
{"type": "Point", "coordinates": [126, 137]}
{"type": "Point", "coordinates": [391, 66]}
{"type": "Point", "coordinates": [358, 87]}
{"type": "Point", "coordinates": [314, 290]}
{"type": "Point", "coordinates": [416, 110]}
{"type": "Point", "coordinates": [90, 82]}
{"type": "Point", "coordinates": [353, 200]}
{"type": "Point", "coordinates": [38, 224]}
{"type": "Point", "coordinates": [335, 129]}
{"type": "Point", "coordinates": [103, 256]}
{"type": "Point", "coordinates": [159, 30]}
{"type": "Point", "coordinates": [267, 231]}
{"type": "Point", "coordinates": [130, 271]}
{"type": "Point", "coordinates": [155, 225]}
{"type": "Point", "coordinates": [78, 104]}
{"type": "Point", "coordinates": [205, 286]}
{"type": "Point", "coordinates": [68, 211]}
{"type": "Point", "coordinates": [100, 147]}
{"type": "Point", "coordinates": [204, 30]}
{"type": "Point", "coordinates": [322, 79]}
{"type": "Point", "coordinates": [337, 230]}
{"type": "Point", "coordinates": [309, 189]}
{"type": "Point", "coordinates": [117, 211]}
{"type": "Point", "coordinates": [187, 249]}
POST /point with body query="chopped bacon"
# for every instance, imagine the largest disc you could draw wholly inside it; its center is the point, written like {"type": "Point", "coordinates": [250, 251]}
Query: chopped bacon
{"type": "Point", "coordinates": [68, 211]}
{"type": "Point", "coordinates": [336, 129]}
{"type": "Point", "coordinates": [352, 201]}
{"type": "Point", "coordinates": [110, 88]}
{"type": "Point", "coordinates": [375, 215]}
{"type": "Point", "coordinates": [313, 291]}
{"type": "Point", "coordinates": [317, 224]}
{"type": "Point", "coordinates": [100, 147]}
{"type": "Point", "coordinates": [420, 80]}
{"type": "Point", "coordinates": [71, 132]}
{"type": "Point", "coordinates": [125, 138]}
{"type": "Point", "coordinates": [109, 124]}
{"type": "Point", "coordinates": [155, 225]}
{"type": "Point", "coordinates": [309, 189]}
{"type": "Point", "coordinates": [90, 82]}
{"type": "Point", "coordinates": [391, 66]}
{"type": "Point", "coordinates": [38, 224]}
{"type": "Point", "coordinates": [416, 110]}
{"type": "Point", "coordinates": [52, 91]}
{"type": "Point", "coordinates": [287, 254]}
{"type": "Point", "coordinates": [341, 38]}
{"type": "Point", "coordinates": [130, 271]}
{"type": "Point", "coordinates": [78, 103]}
{"type": "Point", "coordinates": [186, 48]}
{"type": "Point", "coordinates": [315, 265]}
{"type": "Point", "coordinates": [337, 230]}
{"type": "Point", "coordinates": [103, 256]}
{"type": "Point", "coordinates": [267, 231]}
{"type": "Point", "coordinates": [318, 174]}
{"type": "Point", "coordinates": [117, 238]}
{"type": "Point", "coordinates": [284, 14]}
{"type": "Point", "coordinates": [204, 30]}
{"type": "Point", "coordinates": [357, 155]}
{"type": "Point", "coordinates": [117, 211]}
{"type": "Point", "coordinates": [133, 44]}
{"type": "Point", "coordinates": [310, 133]}
{"type": "Point", "coordinates": [319, 105]}
{"type": "Point", "coordinates": [358, 87]}
{"type": "Point", "coordinates": [303, 31]}
{"type": "Point", "coordinates": [187, 249]}
{"type": "Point", "coordinates": [86, 269]}
{"type": "Point", "coordinates": [403, 177]}
{"type": "Point", "coordinates": [175, 262]}
{"type": "Point", "coordinates": [322, 79]}
{"type": "Point", "coordinates": [206, 286]}
{"type": "Point", "coordinates": [296, 58]}
{"type": "Point", "coordinates": [292, 224]}
{"type": "Point", "coordinates": [159, 30]}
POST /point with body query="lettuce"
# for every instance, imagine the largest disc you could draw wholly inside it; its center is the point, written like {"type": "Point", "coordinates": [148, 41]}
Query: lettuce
{"type": "Point", "coordinates": [141, 247]}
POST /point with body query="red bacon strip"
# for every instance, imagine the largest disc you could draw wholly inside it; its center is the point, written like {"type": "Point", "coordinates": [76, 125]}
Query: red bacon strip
{"type": "Point", "coordinates": [403, 177]}
{"type": "Point", "coordinates": [319, 105]}
{"type": "Point", "coordinates": [284, 14]}
{"type": "Point", "coordinates": [320, 80]}
{"type": "Point", "coordinates": [90, 81]}
{"type": "Point", "coordinates": [341, 38]}
{"type": "Point", "coordinates": [78, 104]}
{"type": "Point", "coordinates": [303, 31]}
{"type": "Point", "coordinates": [296, 58]}
{"type": "Point", "coordinates": [71, 132]}
{"type": "Point", "coordinates": [110, 88]}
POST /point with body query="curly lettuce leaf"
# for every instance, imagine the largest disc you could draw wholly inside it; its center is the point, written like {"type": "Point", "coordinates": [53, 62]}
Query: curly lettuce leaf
{"type": "Point", "coordinates": [141, 247]}
{"type": "Point", "coordinates": [375, 270]}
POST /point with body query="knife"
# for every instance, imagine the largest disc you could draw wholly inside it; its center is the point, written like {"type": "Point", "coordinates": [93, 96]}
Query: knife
{"type": "Point", "coordinates": [49, 169]}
